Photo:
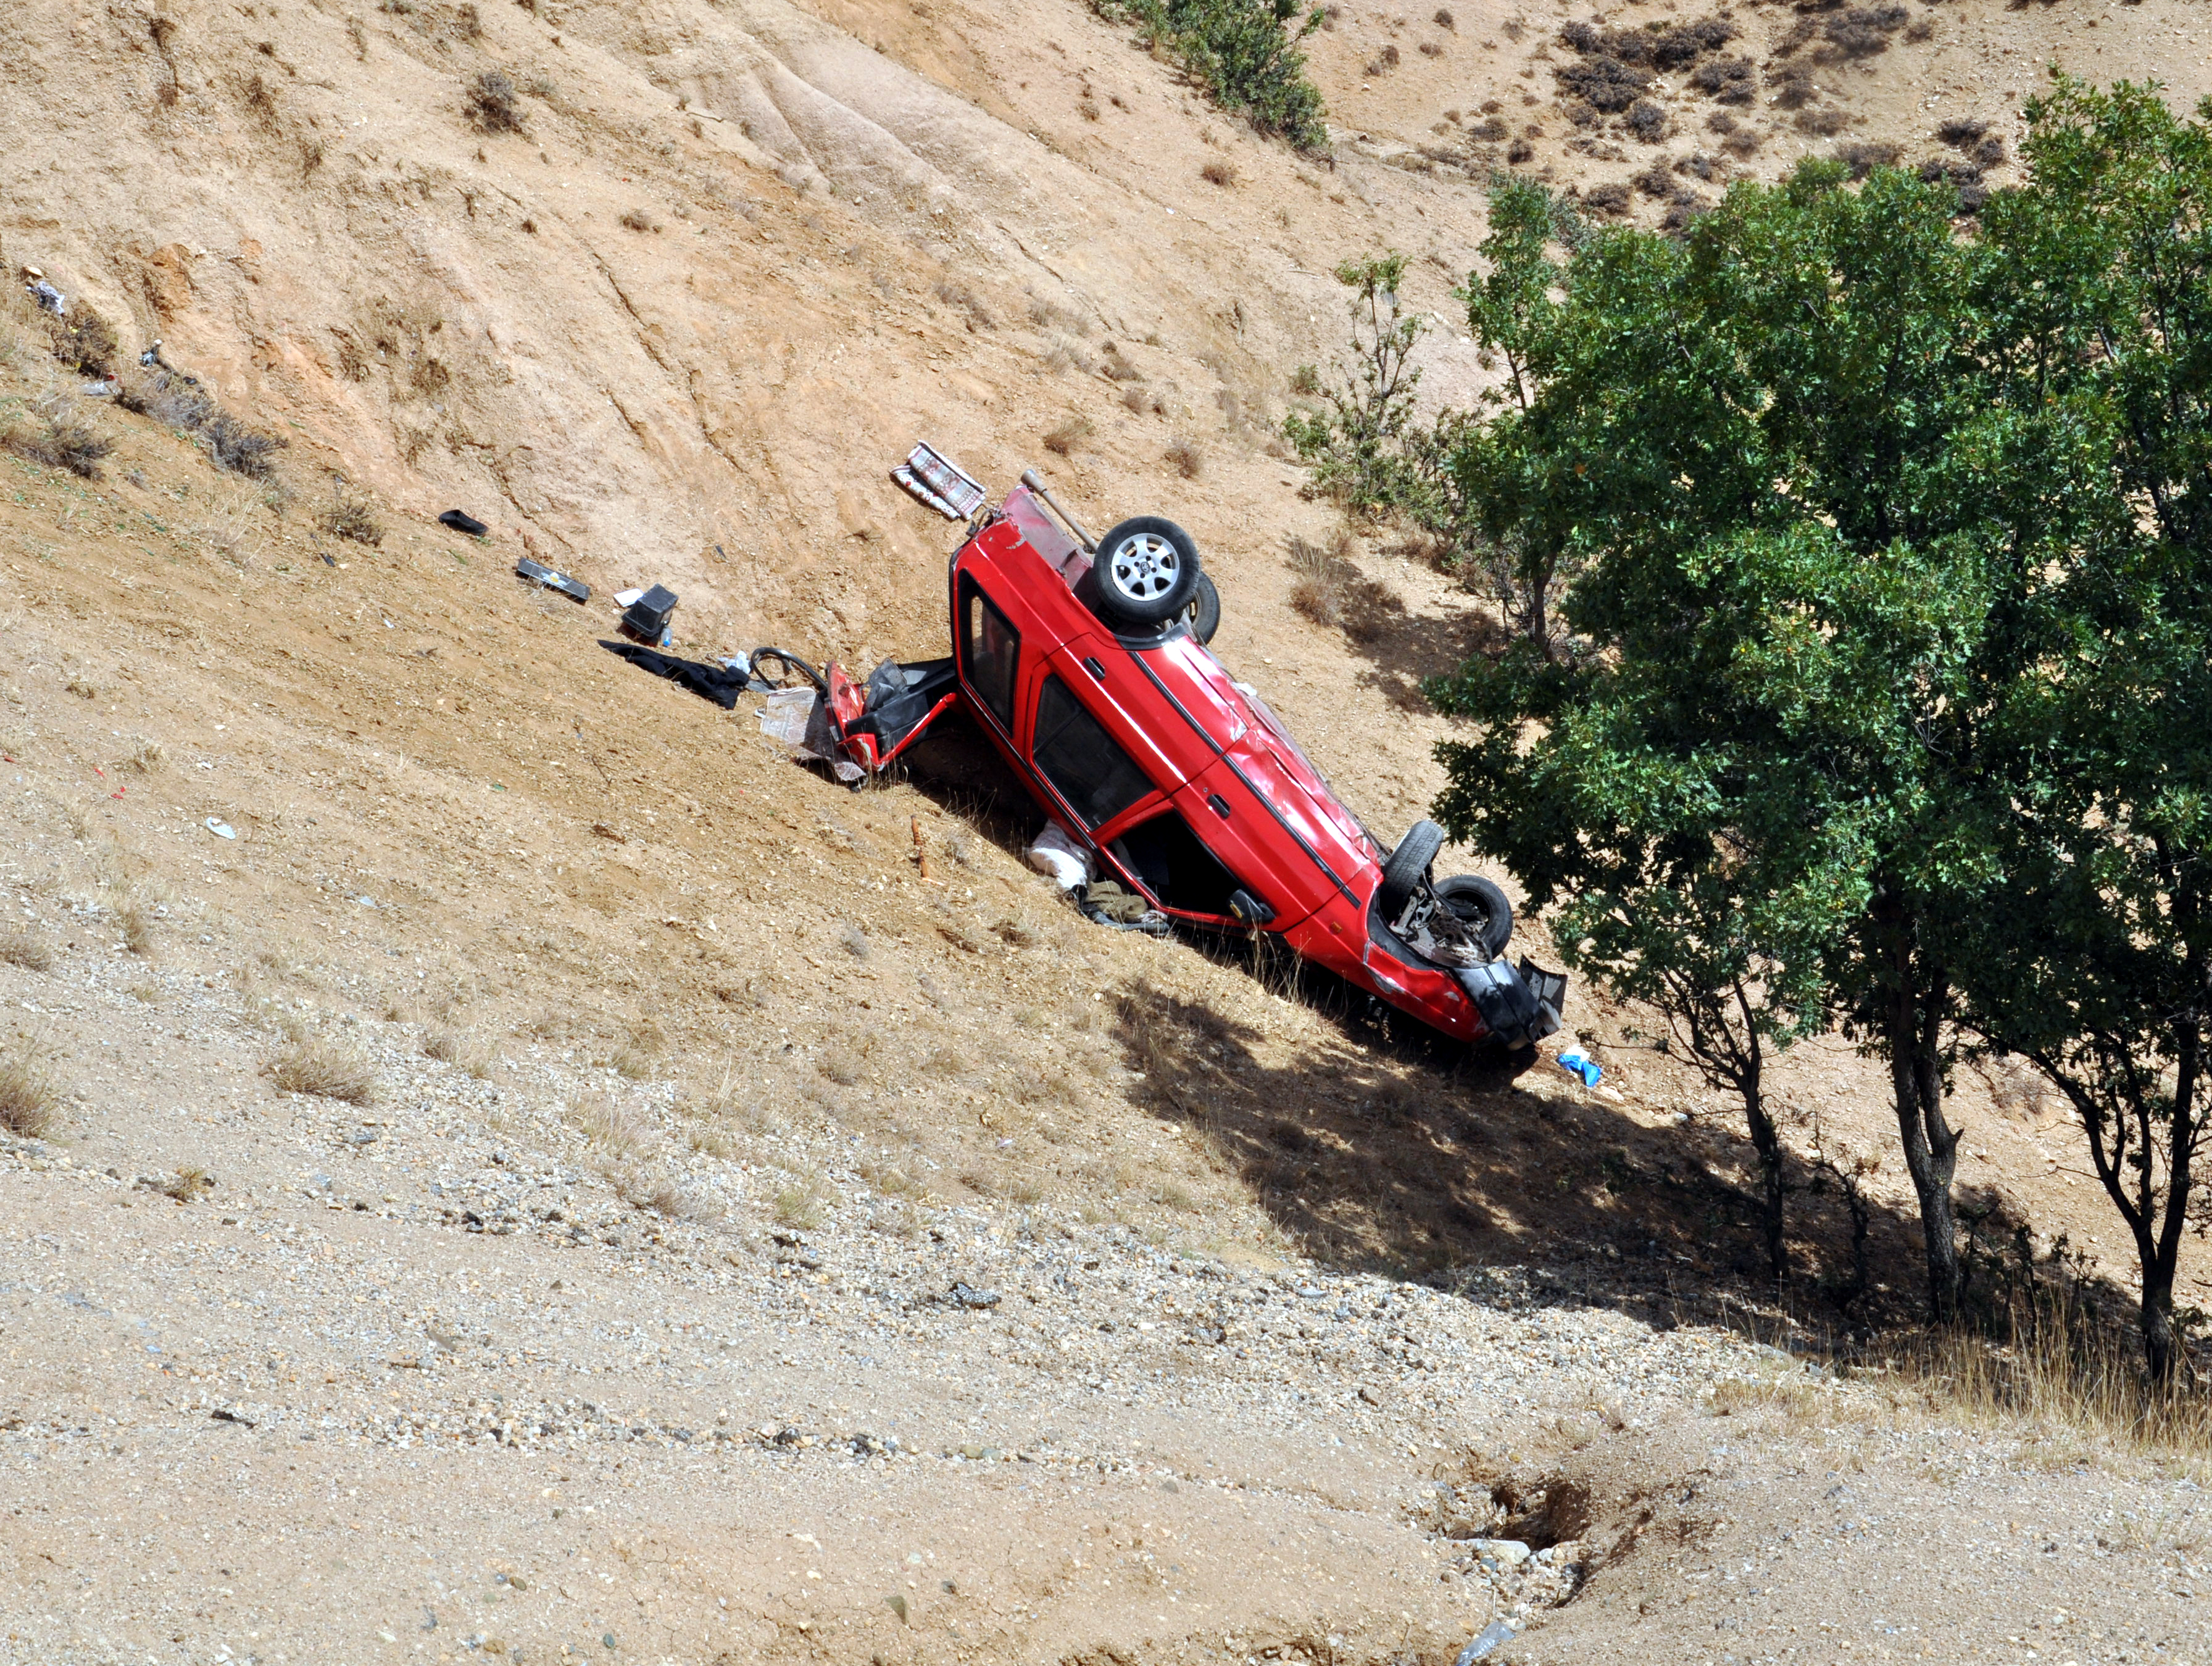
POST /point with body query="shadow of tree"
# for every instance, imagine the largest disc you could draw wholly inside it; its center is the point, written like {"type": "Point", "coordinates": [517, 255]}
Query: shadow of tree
{"type": "Point", "coordinates": [1406, 1154]}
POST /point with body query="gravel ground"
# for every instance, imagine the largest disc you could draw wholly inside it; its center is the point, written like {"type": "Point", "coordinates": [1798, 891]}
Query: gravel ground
{"type": "Point", "coordinates": [414, 1380]}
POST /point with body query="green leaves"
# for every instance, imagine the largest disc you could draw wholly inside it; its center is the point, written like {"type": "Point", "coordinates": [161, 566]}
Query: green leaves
{"type": "Point", "coordinates": [1885, 694]}
{"type": "Point", "coordinates": [1243, 53]}
{"type": "Point", "coordinates": [1355, 441]}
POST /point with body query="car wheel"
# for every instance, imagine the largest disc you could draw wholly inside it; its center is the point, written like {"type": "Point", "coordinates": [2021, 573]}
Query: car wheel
{"type": "Point", "coordinates": [1203, 615]}
{"type": "Point", "coordinates": [1409, 865]}
{"type": "Point", "coordinates": [1481, 907]}
{"type": "Point", "coordinates": [1146, 572]}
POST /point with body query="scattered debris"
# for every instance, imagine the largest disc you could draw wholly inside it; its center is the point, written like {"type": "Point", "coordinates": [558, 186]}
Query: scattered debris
{"type": "Point", "coordinates": [463, 523]}
{"type": "Point", "coordinates": [646, 614]}
{"type": "Point", "coordinates": [43, 294]}
{"type": "Point", "coordinates": [1576, 1064]}
{"type": "Point", "coordinates": [606, 832]}
{"type": "Point", "coordinates": [941, 483]}
{"type": "Point", "coordinates": [1055, 853]}
{"type": "Point", "coordinates": [221, 829]}
{"type": "Point", "coordinates": [714, 682]}
{"type": "Point", "coordinates": [537, 572]}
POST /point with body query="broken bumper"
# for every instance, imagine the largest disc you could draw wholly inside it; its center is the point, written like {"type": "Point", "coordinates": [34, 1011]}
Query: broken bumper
{"type": "Point", "coordinates": [1520, 1005]}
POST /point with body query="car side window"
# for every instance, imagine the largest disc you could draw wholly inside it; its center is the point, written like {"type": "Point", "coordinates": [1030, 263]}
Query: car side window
{"type": "Point", "coordinates": [1096, 778]}
{"type": "Point", "coordinates": [992, 650]}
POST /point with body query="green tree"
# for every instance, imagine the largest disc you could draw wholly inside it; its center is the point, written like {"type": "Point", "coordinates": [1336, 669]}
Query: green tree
{"type": "Point", "coordinates": [2099, 969]}
{"type": "Point", "coordinates": [1355, 443]}
{"type": "Point", "coordinates": [1766, 445]}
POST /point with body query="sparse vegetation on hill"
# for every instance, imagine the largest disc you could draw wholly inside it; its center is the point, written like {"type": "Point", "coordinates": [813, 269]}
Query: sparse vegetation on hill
{"type": "Point", "coordinates": [1243, 53]}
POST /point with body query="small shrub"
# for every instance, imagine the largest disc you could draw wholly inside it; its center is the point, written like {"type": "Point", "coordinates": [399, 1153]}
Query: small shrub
{"type": "Point", "coordinates": [29, 1095]}
{"type": "Point", "coordinates": [1187, 460]}
{"type": "Point", "coordinates": [1431, 49]}
{"type": "Point", "coordinates": [1316, 591]}
{"type": "Point", "coordinates": [137, 921]}
{"type": "Point", "coordinates": [1218, 172]}
{"type": "Point", "coordinates": [606, 1127]}
{"type": "Point", "coordinates": [62, 442]}
{"type": "Point", "coordinates": [1519, 152]}
{"type": "Point", "coordinates": [241, 450]}
{"type": "Point", "coordinates": [1062, 441]}
{"type": "Point", "coordinates": [1443, 19]}
{"type": "Point", "coordinates": [1725, 79]}
{"type": "Point", "coordinates": [1792, 87]}
{"type": "Point", "coordinates": [319, 1066]}
{"type": "Point", "coordinates": [1647, 121]}
{"type": "Point", "coordinates": [1821, 124]}
{"type": "Point", "coordinates": [1742, 142]}
{"type": "Point", "coordinates": [147, 758]}
{"type": "Point", "coordinates": [1862, 158]}
{"type": "Point", "coordinates": [461, 1050]}
{"type": "Point", "coordinates": [1606, 84]}
{"type": "Point", "coordinates": [175, 402]}
{"type": "Point", "coordinates": [1961, 132]}
{"type": "Point", "coordinates": [1243, 53]}
{"type": "Point", "coordinates": [798, 1205]}
{"type": "Point", "coordinates": [637, 220]}
{"type": "Point", "coordinates": [1862, 31]}
{"type": "Point", "coordinates": [352, 518]}
{"type": "Point", "coordinates": [1655, 181]}
{"type": "Point", "coordinates": [20, 948]}
{"type": "Point", "coordinates": [960, 297]}
{"type": "Point", "coordinates": [1610, 198]}
{"type": "Point", "coordinates": [186, 1185]}
{"type": "Point", "coordinates": [491, 106]}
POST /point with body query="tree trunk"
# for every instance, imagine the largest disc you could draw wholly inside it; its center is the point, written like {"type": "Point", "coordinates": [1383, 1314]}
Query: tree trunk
{"type": "Point", "coordinates": [2161, 1358]}
{"type": "Point", "coordinates": [1913, 1029]}
{"type": "Point", "coordinates": [1767, 1139]}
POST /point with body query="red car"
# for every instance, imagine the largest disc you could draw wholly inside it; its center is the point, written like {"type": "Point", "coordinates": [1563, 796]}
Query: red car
{"type": "Point", "coordinates": [1085, 662]}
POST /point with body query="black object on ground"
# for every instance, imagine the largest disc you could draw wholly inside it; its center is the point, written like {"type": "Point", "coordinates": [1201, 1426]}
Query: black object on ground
{"type": "Point", "coordinates": [461, 523]}
{"type": "Point", "coordinates": [538, 572]}
{"type": "Point", "coordinates": [707, 681]}
{"type": "Point", "coordinates": [646, 618]}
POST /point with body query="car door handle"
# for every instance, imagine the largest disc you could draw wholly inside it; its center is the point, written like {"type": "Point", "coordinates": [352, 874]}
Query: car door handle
{"type": "Point", "coordinates": [1219, 805]}
{"type": "Point", "coordinates": [1096, 670]}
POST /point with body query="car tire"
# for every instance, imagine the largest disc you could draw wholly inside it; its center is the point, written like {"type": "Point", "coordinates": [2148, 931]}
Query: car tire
{"type": "Point", "coordinates": [1482, 907]}
{"type": "Point", "coordinates": [1409, 865]}
{"type": "Point", "coordinates": [1146, 573]}
{"type": "Point", "coordinates": [1203, 615]}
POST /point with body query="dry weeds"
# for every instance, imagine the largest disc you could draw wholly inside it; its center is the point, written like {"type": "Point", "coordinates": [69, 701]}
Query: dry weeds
{"type": "Point", "coordinates": [316, 1065]}
{"type": "Point", "coordinates": [461, 1050]}
{"type": "Point", "coordinates": [20, 949]}
{"type": "Point", "coordinates": [29, 1093]}
{"type": "Point", "coordinates": [1063, 440]}
{"type": "Point", "coordinates": [1186, 459]}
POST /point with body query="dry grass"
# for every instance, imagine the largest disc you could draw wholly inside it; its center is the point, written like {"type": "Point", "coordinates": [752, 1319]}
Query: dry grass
{"type": "Point", "coordinates": [137, 921]}
{"type": "Point", "coordinates": [1316, 583]}
{"type": "Point", "coordinates": [657, 1194]}
{"type": "Point", "coordinates": [352, 518]}
{"type": "Point", "coordinates": [62, 442]}
{"type": "Point", "coordinates": [316, 1065]}
{"type": "Point", "coordinates": [147, 758]}
{"type": "Point", "coordinates": [187, 1184]}
{"type": "Point", "coordinates": [1186, 458]}
{"type": "Point", "coordinates": [1063, 440]}
{"type": "Point", "coordinates": [1218, 172]}
{"type": "Point", "coordinates": [608, 1128]}
{"type": "Point", "coordinates": [29, 1093]}
{"type": "Point", "coordinates": [462, 1050]}
{"type": "Point", "coordinates": [20, 949]}
{"type": "Point", "coordinates": [845, 1060]}
{"type": "Point", "coordinates": [802, 1205]}
{"type": "Point", "coordinates": [491, 106]}
{"type": "Point", "coordinates": [2074, 1380]}
{"type": "Point", "coordinates": [637, 220]}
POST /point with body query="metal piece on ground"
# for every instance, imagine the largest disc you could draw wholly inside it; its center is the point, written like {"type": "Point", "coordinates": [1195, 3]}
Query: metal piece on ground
{"type": "Point", "coordinates": [537, 572]}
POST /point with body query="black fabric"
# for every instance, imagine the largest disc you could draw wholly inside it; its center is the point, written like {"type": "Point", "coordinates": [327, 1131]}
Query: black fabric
{"type": "Point", "coordinates": [463, 522]}
{"type": "Point", "coordinates": [709, 681]}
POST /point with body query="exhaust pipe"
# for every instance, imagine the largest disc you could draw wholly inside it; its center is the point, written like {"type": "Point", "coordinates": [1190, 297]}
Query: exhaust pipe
{"type": "Point", "coordinates": [1030, 479]}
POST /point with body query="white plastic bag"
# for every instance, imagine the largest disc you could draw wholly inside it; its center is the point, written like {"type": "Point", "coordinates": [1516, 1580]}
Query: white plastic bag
{"type": "Point", "coordinates": [1055, 854]}
{"type": "Point", "coordinates": [793, 716]}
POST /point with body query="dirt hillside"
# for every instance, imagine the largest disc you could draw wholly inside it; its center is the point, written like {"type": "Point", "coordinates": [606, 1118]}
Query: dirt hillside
{"type": "Point", "coordinates": [542, 1175]}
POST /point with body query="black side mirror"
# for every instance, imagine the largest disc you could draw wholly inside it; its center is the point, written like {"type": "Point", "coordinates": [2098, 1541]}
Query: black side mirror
{"type": "Point", "coordinates": [1249, 909]}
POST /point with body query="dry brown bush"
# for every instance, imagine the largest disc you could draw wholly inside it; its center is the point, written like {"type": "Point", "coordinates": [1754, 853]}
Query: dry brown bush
{"type": "Point", "coordinates": [491, 106]}
{"type": "Point", "coordinates": [1189, 461]}
{"type": "Point", "coordinates": [1062, 441]}
{"type": "Point", "coordinates": [460, 1048]}
{"type": "Point", "coordinates": [354, 519]}
{"type": "Point", "coordinates": [20, 949]}
{"type": "Point", "coordinates": [62, 442]}
{"type": "Point", "coordinates": [1218, 172]}
{"type": "Point", "coordinates": [318, 1065]}
{"type": "Point", "coordinates": [29, 1095]}
{"type": "Point", "coordinates": [1316, 585]}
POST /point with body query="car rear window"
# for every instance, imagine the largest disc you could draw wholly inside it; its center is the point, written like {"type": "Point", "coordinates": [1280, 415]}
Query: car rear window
{"type": "Point", "coordinates": [992, 650]}
{"type": "Point", "coordinates": [1081, 760]}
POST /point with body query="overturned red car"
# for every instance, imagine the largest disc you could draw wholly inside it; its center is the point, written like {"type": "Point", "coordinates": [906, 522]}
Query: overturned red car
{"type": "Point", "coordinates": [1085, 662]}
